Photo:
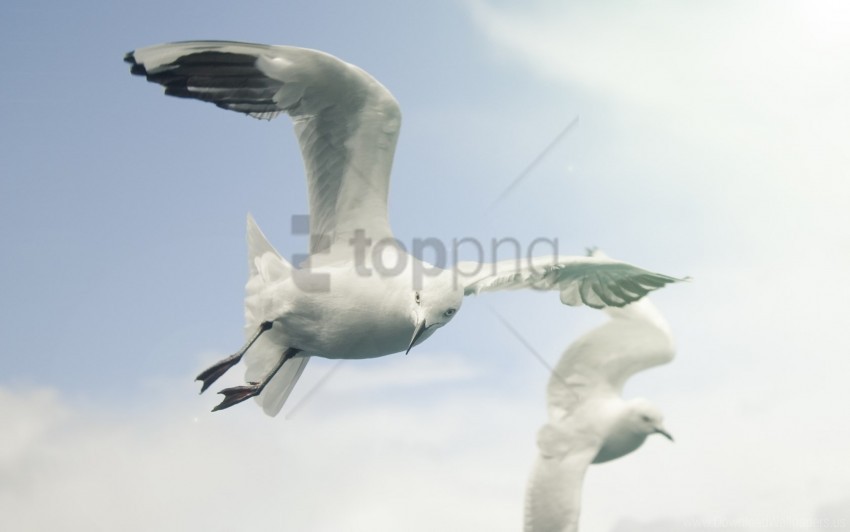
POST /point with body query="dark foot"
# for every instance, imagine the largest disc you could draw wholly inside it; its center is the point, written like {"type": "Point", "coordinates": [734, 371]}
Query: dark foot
{"type": "Point", "coordinates": [212, 373]}
{"type": "Point", "coordinates": [237, 394]}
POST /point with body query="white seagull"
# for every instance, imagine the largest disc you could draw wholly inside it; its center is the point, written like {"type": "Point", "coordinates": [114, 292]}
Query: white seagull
{"type": "Point", "coordinates": [589, 421]}
{"type": "Point", "coordinates": [359, 294]}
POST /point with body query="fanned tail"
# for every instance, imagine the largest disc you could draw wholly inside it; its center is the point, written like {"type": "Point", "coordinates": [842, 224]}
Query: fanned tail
{"type": "Point", "coordinates": [278, 389]}
{"type": "Point", "coordinates": [263, 258]}
{"type": "Point", "coordinates": [266, 268]}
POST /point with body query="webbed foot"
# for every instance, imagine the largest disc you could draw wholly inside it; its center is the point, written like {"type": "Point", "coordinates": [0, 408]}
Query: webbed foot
{"type": "Point", "coordinates": [237, 394]}
{"type": "Point", "coordinates": [212, 373]}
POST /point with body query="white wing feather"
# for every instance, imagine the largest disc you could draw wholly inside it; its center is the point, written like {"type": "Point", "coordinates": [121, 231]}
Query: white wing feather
{"type": "Point", "coordinates": [346, 122]}
{"type": "Point", "coordinates": [635, 338]}
{"type": "Point", "coordinates": [553, 494]}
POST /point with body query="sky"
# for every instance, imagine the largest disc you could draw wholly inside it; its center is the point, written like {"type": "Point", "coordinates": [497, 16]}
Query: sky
{"type": "Point", "coordinates": [711, 142]}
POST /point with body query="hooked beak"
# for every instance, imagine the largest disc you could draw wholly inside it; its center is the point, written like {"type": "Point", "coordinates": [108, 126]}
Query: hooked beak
{"type": "Point", "coordinates": [664, 433]}
{"type": "Point", "coordinates": [417, 332]}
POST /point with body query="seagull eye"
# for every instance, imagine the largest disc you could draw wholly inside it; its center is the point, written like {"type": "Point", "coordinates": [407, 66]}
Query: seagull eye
{"type": "Point", "coordinates": [449, 313]}
{"type": "Point", "coordinates": [417, 298]}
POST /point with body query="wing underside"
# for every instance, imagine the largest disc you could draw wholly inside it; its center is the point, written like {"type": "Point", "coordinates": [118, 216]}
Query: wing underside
{"type": "Point", "coordinates": [600, 362]}
{"type": "Point", "coordinates": [346, 122]}
{"type": "Point", "coordinates": [553, 494]}
{"type": "Point", "coordinates": [595, 282]}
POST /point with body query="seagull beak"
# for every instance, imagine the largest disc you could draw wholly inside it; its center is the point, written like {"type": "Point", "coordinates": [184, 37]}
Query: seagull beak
{"type": "Point", "coordinates": [664, 433]}
{"type": "Point", "coordinates": [417, 332]}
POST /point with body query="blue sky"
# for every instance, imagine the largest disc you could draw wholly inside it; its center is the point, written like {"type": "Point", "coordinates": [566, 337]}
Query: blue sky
{"type": "Point", "coordinates": [711, 143]}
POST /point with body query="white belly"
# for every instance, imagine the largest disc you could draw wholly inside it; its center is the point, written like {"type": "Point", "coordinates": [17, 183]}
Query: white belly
{"type": "Point", "coordinates": [357, 318]}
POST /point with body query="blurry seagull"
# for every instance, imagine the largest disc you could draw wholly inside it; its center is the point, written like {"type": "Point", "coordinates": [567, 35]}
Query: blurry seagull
{"type": "Point", "coordinates": [342, 302]}
{"type": "Point", "coordinates": [589, 422]}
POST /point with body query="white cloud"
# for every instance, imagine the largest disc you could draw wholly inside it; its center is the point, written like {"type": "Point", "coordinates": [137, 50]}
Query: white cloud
{"type": "Point", "coordinates": [740, 107]}
{"type": "Point", "coordinates": [335, 467]}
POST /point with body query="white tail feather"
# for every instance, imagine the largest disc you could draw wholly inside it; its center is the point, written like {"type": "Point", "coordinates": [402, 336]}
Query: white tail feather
{"type": "Point", "coordinates": [266, 267]}
{"type": "Point", "coordinates": [265, 264]}
{"type": "Point", "coordinates": [278, 390]}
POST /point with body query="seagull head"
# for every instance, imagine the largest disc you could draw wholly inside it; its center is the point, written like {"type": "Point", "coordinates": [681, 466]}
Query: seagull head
{"type": "Point", "coordinates": [646, 418]}
{"type": "Point", "coordinates": [433, 305]}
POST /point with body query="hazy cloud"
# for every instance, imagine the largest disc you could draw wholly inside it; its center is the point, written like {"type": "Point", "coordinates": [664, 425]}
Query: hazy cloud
{"type": "Point", "coordinates": [335, 467]}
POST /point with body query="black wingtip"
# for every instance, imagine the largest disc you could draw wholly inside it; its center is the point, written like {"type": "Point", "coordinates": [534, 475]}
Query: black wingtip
{"type": "Point", "coordinates": [137, 69]}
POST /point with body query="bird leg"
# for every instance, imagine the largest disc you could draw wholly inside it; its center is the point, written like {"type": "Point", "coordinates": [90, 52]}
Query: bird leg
{"type": "Point", "coordinates": [212, 373]}
{"type": "Point", "coordinates": [237, 394]}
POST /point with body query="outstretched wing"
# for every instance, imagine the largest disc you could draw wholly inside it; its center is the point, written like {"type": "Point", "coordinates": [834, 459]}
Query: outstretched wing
{"type": "Point", "coordinates": [553, 494]}
{"type": "Point", "coordinates": [635, 338]}
{"type": "Point", "coordinates": [346, 122]}
{"type": "Point", "coordinates": [597, 282]}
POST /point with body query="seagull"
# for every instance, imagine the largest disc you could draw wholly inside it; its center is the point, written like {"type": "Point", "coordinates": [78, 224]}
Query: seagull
{"type": "Point", "coordinates": [589, 421]}
{"type": "Point", "coordinates": [358, 294]}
